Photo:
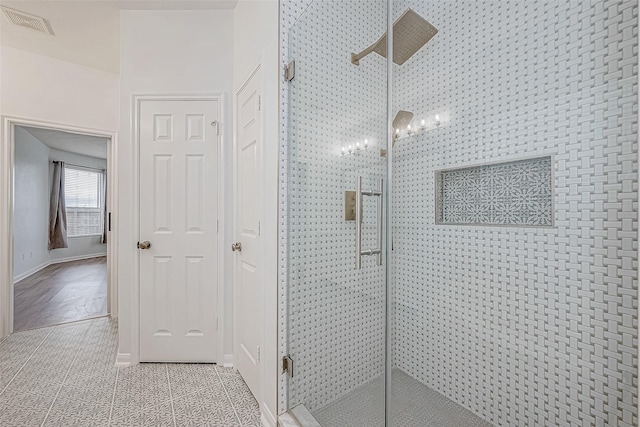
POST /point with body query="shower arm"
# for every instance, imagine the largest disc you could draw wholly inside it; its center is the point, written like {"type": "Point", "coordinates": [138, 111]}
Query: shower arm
{"type": "Point", "coordinates": [356, 57]}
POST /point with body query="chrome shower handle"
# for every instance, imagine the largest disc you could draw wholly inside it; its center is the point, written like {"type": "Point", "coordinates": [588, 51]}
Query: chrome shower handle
{"type": "Point", "coordinates": [359, 194]}
{"type": "Point", "coordinates": [358, 222]}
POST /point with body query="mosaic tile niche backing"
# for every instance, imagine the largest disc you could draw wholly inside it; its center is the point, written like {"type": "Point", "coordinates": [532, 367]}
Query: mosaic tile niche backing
{"type": "Point", "coordinates": [511, 193]}
{"type": "Point", "coordinates": [524, 326]}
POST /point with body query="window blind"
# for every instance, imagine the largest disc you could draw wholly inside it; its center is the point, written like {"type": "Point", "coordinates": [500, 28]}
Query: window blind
{"type": "Point", "coordinates": [84, 201]}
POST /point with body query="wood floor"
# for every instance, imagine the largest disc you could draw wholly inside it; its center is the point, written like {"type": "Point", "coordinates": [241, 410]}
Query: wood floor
{"type": "Point", "coordinates": [61, 293]}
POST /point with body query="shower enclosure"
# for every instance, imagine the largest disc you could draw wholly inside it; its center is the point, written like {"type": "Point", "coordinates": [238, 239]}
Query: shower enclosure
{"type": "Point", "coordinates": [459, 212]}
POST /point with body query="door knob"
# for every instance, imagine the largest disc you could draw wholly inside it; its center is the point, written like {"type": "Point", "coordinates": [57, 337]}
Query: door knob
{"type": "Point", "coordinates": [236, 247]}
{"type": "Point", "coordinates": [144, 245]}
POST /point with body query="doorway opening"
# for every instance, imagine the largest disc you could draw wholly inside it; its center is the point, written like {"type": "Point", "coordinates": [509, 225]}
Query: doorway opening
{"type": "Point", "coordinates": [61, 254]}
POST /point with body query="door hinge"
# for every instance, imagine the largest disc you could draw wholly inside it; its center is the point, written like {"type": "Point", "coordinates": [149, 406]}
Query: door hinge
{"type": "Point", "coordinates": [259, 102]}
{"type": "Point", "coordinates": [217, 226]}
{"type": "Point", "coordinates": [287, 365]}
{"type": "Point", "coordinates": [217, 322]}
{"type": "Point", "coordinates": [290, 71]}
{"type": "Point", "coordinates": [109, 225]}
{"type": "Point", "coordinates": [217, 125]}
{"type": "Point", "coordinates": [259, 228]}
{"type": "Point", "coordinates": [258, 353]}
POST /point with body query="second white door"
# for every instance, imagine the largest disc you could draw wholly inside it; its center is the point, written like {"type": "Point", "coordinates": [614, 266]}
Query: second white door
{"type": "Point", "coordinates": [178, 219]}
{"type": "Point", "coordinates": [247, 212]}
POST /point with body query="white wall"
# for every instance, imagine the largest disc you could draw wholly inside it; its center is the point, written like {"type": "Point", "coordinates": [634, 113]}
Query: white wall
{"type": "Point", "coordinates": [164, 52]}
{"type": "Point", "coordinates": [255, 29]}
{"type": "Point", "coordinates": [47, 89]}
{"type": "Point", "coordinates": [31, 205]}
{"type": "Point", "coordinates": [84, 245]}
{"type": "Point", "coordinates": [32, 184]}
{"type": "Point", "coordinates": [255, 36]}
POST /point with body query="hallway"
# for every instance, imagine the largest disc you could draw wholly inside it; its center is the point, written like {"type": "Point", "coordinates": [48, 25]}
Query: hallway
{"type": "Point", "coordinates": [65, 376]}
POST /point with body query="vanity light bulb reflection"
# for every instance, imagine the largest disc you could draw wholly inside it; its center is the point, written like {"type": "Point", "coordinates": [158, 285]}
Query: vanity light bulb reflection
{"type": "Point", "coordinates": [437, 120]}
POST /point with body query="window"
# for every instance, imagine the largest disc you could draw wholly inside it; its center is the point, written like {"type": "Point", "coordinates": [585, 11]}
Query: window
{"type": "Point", "coordinates": [84, 200]}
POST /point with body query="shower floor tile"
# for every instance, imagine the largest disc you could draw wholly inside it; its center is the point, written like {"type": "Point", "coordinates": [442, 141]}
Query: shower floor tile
{"type": "Point", "coordinates": [413, 405]}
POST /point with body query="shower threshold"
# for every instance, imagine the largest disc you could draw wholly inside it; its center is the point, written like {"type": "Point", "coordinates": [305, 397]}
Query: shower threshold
{"type": "Point", "coordinates": [413, 404]}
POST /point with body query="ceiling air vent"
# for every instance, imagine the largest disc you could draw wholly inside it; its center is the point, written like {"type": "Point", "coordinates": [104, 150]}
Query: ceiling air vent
{"type": "Point", "coordinates": [26, 20]}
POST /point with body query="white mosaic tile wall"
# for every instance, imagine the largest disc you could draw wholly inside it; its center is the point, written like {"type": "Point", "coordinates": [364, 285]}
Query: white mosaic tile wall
{"type": "Point", "coordinates": [335, 314]}
{"type": "Point", "coordinates": [523, 326]}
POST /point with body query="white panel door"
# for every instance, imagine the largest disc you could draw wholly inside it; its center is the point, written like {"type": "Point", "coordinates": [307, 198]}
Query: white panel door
{"type": "Point", "coordinates": [178, 216]}
{"type": "Point", "coordinates": [247, 210]}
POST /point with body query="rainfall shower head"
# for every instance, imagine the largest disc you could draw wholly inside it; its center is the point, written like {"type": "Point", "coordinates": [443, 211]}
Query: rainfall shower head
{"type": "Point", "coordinates": [401, 121]}
{"type": "Point", "coordinates": [410, 32]}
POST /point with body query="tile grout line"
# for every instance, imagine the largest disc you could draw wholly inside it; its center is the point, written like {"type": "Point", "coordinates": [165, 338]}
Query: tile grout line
{"type": "Point", "coordinates": [173, 412]}
{"type": "Point", "coordinates": [113, 396]}
{"type": "Point", "coordinates": [25, 362]}
{"type": "Point", "coordinates": [228, 397]}
{"type": "Point", "coordinates": [75, 357]}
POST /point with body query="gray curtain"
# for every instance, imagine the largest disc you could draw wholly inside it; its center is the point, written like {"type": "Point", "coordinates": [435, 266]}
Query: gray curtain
{"type": "Point", "coordinates": [104, 207]}
{"type": "Point", "coordinates": [57, 209]}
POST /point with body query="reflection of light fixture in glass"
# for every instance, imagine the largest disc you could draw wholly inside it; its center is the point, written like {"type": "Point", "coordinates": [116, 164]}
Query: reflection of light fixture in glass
{"type": "Point", "coordinates": [351, 149]}
{"type": "Point", "coordinates": [404, 128]}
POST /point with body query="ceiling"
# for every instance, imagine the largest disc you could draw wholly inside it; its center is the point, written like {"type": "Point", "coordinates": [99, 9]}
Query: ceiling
{"type": "Point", "coordinates": [86, 32]}
{"type": "Point", "coordinates": [85, 145]}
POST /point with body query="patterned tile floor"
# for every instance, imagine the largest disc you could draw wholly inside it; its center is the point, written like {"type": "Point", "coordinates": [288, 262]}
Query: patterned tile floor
{"type": "Point", "coordinates": [65, 376]}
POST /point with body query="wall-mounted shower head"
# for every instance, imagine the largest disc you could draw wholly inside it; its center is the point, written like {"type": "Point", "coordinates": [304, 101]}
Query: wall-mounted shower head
{"type": "Point", "coordinates": [410, 32]}
{"type": "Point", "coordinates": [401, 121]}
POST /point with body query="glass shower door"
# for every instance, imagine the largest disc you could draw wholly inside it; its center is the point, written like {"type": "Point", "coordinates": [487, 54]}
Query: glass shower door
{"type": "Point", "coordinates": [336, 169]}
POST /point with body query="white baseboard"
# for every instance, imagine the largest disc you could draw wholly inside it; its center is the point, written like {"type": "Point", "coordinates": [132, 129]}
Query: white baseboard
{"type": "Point", "coordinates": [228, 361]}
{"type": "Point", "coordinates": [46, 264]}
{"type": "Point", "coordinates": [123, 360]}
{"type": "Point", "coordinates": [266, 417]}
{"type": "Point", "coordinates": [31, 272]}
{"type": "Point", "coordinates": [77, 258]}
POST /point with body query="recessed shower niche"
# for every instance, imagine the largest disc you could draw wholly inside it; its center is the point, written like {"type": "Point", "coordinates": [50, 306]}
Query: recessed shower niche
{"type": "Point", "coordinates": [516, 193]}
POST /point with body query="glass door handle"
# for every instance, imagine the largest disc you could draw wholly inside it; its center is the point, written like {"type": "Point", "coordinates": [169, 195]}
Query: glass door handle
{"type": "Point", "coordinates": [359, 194]}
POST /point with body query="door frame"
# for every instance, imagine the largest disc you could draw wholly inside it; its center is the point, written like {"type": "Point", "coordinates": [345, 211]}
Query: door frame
{"type": "Point", "coordinates": [137, 100]}
{"type": "Point", "coordinates": [7, 169]}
